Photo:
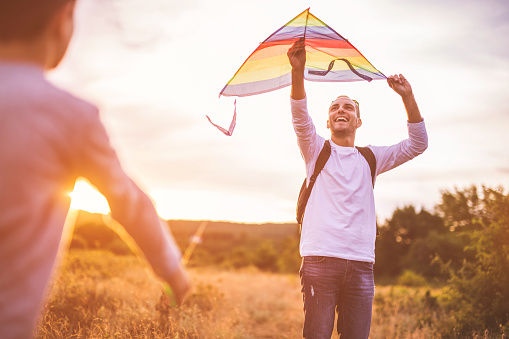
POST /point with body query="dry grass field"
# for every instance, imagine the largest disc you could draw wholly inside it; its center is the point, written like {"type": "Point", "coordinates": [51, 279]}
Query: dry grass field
{"type": "Point", "coordinates": [101, 295]}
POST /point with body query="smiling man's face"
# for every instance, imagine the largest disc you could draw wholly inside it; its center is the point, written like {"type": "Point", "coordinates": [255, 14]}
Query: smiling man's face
{"type": "Point", "coordinates": [343, 116]}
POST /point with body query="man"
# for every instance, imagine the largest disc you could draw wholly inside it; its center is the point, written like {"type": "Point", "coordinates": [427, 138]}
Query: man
{"type": "Point", "coordinates": [339, 226]}
{"type": "Point", "coordinates": [48, 138]}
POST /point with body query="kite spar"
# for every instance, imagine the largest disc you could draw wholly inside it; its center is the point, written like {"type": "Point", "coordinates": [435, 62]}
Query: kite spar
{"type": "Point", "coordinates": [329, 58]}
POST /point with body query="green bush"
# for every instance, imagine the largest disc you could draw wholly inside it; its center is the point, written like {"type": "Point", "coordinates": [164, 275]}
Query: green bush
{"type": "Point", "coordinates": [289, 261]}
{"type": "Point", "coordinates": [265, 257]}
{"type": "Point", "coordinates": [411, 279]}
{"type": "Point", "coordinates": [238, 258]}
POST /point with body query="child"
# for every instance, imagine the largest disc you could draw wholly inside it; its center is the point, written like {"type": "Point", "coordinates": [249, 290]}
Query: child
{"type": "Point", "coordinates": [48, 139]}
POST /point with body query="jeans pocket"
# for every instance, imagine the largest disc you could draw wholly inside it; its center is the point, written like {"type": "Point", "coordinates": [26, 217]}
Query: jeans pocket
{"type": "Point", "coordinates": [367, 265]}
{"type": "Point", "coordinates": [314, 259]}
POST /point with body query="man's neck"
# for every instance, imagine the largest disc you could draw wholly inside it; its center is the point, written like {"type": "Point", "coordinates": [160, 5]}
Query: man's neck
{"type": "Point", "coordinates": [343, 140]}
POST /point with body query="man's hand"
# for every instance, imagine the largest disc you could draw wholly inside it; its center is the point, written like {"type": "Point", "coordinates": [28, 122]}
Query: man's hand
{"type": "Point", "coordinates": [400, 85]}
{"type": "Point", "coordinates": [297, 56]}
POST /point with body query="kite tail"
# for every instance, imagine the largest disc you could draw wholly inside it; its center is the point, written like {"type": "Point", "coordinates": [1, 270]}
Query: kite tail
{"type": "Point", "coordinates": [228, 131]}
{"type": "Point", "coordinates": [331, 65]}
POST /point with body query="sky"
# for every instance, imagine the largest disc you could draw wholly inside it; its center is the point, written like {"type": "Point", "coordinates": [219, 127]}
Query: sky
{"type": "Point", "coordinates": [155, 69]}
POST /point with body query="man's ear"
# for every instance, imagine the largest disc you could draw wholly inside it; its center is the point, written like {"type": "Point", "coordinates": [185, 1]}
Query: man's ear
{"type": "Point", "coordinates": [328, 124]}
{"type": "Point", "coordinates": [359, 122]}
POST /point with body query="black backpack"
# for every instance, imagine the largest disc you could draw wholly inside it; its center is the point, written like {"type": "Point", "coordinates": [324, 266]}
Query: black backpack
{"type": "Point", "coordinates": [324, 155]}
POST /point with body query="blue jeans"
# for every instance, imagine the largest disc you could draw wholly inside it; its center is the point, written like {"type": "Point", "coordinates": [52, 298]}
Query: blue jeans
{"type": "Point", "coordinates": [333, 284]}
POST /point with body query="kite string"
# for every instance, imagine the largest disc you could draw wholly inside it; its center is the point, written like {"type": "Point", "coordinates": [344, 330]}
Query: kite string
{"type": "Point", "coordinates": [194, 241]}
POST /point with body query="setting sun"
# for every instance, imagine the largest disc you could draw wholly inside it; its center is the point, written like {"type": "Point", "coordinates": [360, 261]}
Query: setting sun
{"type": "Point", "coordinates": [87, 198]}
{"type": "Point", "coordinates": [180, 204]}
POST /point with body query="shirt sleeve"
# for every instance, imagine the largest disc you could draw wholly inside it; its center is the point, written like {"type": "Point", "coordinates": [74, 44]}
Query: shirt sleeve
{"type": "Point", "coordinates": [129, 205]}
{"type": "Point", "coordinates": [310, 143]}
{"type": "Point", "coordinates": [389, 157]}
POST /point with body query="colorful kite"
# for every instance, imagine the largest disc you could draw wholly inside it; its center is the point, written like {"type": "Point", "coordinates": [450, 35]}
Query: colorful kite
{"type": "Point", "coordinates": [329, 58]}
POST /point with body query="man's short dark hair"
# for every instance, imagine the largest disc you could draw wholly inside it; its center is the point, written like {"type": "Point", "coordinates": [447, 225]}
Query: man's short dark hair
{"type": "Point", "coordinates": [357, 108]}
{"type": "Point", "coordinates": [26, 19]}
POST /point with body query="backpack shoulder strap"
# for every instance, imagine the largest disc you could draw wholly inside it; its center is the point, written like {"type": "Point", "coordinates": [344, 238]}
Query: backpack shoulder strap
{"type": "Point", "coordinates": [305, 189]}
{"type": "Point", "coordinates": [322, 159]}
{"type": "Point", "coordinates": [367, 153]}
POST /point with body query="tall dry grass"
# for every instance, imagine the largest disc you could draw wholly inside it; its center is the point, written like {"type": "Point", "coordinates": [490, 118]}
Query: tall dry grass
{"type": "Point", "coordinates": [101, 295]}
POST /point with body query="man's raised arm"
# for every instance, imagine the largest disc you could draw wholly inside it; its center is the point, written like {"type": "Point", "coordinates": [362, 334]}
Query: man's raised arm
{"type": "Point", "coordinates": [401, 86]}
{"type": "Point", "coordinates": [297, 56]}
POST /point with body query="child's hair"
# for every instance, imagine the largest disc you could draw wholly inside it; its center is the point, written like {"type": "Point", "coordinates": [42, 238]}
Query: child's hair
{"type": "Point", "coordinates": [26, 19]}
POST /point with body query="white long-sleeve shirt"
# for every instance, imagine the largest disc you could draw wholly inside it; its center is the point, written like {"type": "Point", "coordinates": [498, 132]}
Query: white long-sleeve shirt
{"type": "Point", "coordinates": [48, 138]}
{"type": "Point", "coordinates": [340, 219]}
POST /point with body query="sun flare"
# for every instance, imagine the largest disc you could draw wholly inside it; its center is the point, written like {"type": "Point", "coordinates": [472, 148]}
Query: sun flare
{"type": "Point", "coordinates": [87, 198]}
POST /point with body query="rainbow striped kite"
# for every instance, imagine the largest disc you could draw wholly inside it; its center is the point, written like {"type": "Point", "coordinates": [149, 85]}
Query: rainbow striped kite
{"type": "Point", "coordinates": [329, 57]}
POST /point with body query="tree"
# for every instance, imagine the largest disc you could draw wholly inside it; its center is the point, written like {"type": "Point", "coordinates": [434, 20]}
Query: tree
{"type": "Point", "coordinates": [403, 234]}
{"type": "Point", "coordinates": [460, 209]}
{"type": "Point", "coordinates": [479, 291]}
